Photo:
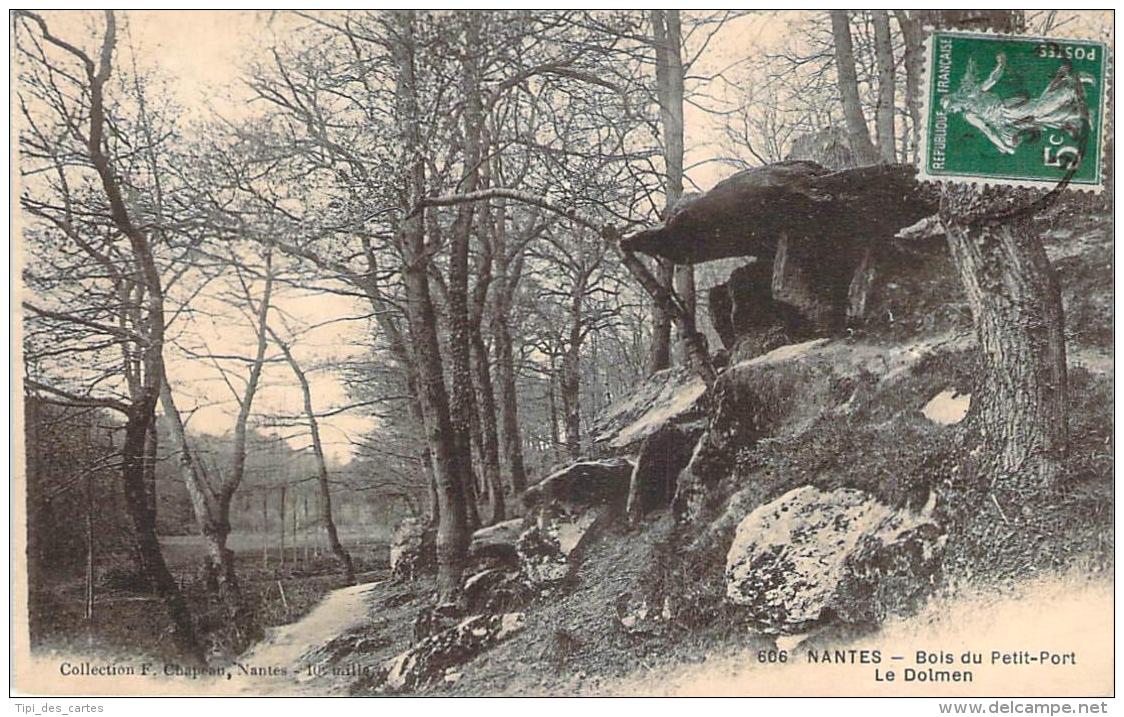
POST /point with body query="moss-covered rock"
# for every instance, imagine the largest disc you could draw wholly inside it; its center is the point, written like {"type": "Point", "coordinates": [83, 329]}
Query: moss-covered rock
{"type": "Point", "coordinates": [814, 555]}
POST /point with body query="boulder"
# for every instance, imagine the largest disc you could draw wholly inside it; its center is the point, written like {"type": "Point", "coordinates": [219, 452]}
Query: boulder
{"type": "Point", "coordinates": [813, 555]}
{"type": "Point", "coordinates": [494, 546]}
{"type": "Point", "coordinates": [583, 484]}
{"type": "Point", "coordinates": [433, 659]}
{"type": "Point", "coordinates": [545, 548]}
{"type": "Point", "coordinates": [412, 549]}
{"type": "Point", "coordinates": [662, 456]}
{"type": "Point", "coordinates": [753, 399]}
{"type": "Point", "coordinates": [743, 309]}
{"type": "Point", "coordinates": [670, 395]}
{"type": "Point", "coordinates": [496, 591]}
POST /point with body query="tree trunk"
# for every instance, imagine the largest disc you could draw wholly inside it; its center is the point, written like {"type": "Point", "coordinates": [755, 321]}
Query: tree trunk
{"type": "Point", "coordinates": [571, 368]}
{"type": "Point", "coordinates": [281, 535]}
{"type": "Point", "coordinates": [671, 117]}
{"type": "Point", "coordinates": [884, 118]}
{"type": "Point", "coordinates": [490, 451]}
{"type": "Point", "coordinates": [669, 79]}
{"type": "Point", "coordinates": [452, 535]}
{"type": "Point", "coordinates": [89, 545]}
{"type": "Point", "coordinates": [151, 446]}
{"type": "Point", "coordinates": [212, 514]}
{"type": "Point", "coordinates": [660, 356]}
{"type": "Point", "coordinates": [144, 527]}
{"type": "Point", "coordinates": [858, 133]}
{"type": "Point", "coordinates": [914, 38]}
{"type": "Point", "coordinates": [552, 405]}
{"type": "Point", "coordinates": [431, 491]}
{"type": "Point", "coordinates": [463, 404]}
{"type": "Point", "coordinates": [326, 517]}
{"type": "Point", "coordinates": [295, 528]}
{"type": "Point", "coordinates": [570, 389]}
{"type": "Point", "coordinates": [511, 436]}
{"type": "Point", "coordinates": [1020, 405]}
{"type": "Point", "coordinates": [667, 39]}
{"type": "Point", "coordinates": [141, 415]}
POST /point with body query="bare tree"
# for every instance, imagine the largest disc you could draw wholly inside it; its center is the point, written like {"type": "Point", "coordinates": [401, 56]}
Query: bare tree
{"type": "Point", "coordinates": [322, 477]}
{"type": "Point", "coordinates": [212, 493]}
{"type": "Point", "coordinates": [139, 283]}
{"type": "Point", "coordinates": [884, 117]}
{"type": "Point", "coordinates": [857, 131]}
{"type": "Point", "coordinates": [913, 38]}
{"type": "Point", "coordinates": [452, 524]}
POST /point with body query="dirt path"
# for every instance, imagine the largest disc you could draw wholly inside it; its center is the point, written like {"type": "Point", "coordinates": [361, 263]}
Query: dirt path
{"type": "Point", "coordinates": [273, 663]}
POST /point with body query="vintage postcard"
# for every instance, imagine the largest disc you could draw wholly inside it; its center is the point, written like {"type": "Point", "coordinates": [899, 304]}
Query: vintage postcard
{"type": "Point", "coordinates": [563, 353]}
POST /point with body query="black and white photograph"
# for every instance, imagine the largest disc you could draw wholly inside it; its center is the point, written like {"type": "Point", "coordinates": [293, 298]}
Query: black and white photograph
{"type": "Point", "coordinates": [562, 353]}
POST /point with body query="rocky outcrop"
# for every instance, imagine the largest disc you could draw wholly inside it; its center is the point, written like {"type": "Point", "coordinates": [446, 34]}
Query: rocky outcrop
{"type": "Point", "coordinates": [812, 555]}
{"type": "Point", "coordinates": [432, 660]}
{"type": "Point", "coordinates": [494, 546]}
{"type": "Point", "coordinates": [582, 485]}
{"type": "Point", "coordinates": [662, 456]}
{"type": "Point", "coordinates": [665, 396]}
{"type": "Point", "coordinates": [412, 549]}
{"type": "Point", "coordinates": [546, 547]}
{"type": "Point", "coordinates": [754, 399]}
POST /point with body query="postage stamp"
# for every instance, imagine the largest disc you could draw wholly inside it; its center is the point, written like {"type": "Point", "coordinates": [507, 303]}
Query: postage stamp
{"type": "Point", "coordinates": [1003, 109]}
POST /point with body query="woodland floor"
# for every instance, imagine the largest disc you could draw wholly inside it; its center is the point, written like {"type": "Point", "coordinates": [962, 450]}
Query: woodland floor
{"type": "Point", "coordinates": [128, 620]}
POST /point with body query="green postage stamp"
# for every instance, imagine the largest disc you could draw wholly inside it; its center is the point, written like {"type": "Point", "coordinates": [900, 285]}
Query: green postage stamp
{"type": "Point", "coordinates": [1003, 109]}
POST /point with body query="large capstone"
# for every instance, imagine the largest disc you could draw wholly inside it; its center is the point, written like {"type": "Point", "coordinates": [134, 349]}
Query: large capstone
{"type": "Point", "coordinates": [812, 555]}
{"type": "Point", "coordinates": [583, 484]}
{"type": "Point", "coordinates": [746, 214]}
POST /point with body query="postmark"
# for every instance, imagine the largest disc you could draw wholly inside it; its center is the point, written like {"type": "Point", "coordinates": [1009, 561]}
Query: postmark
{"type": "Point", "coordinates": [1003, 109]}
